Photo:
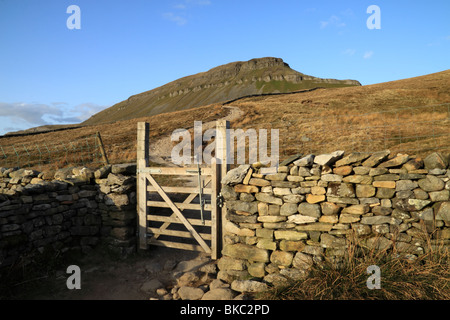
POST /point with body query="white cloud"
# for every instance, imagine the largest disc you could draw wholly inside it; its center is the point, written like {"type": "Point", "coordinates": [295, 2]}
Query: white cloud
{"type": "Point", "coordinates": [199, 2]}
{"type": "Point", "coordinates": [182, 7]}
{"type": "Point", "coordinates": [39, 114]}
{"type": "Point", "coordinates": [32, 113]}
{"type": "Point", "coordinates": [348, 12]}
{"type": "Point", "coordinates": [179, 20]}
{"type": "Point", "coordinates": [334, 21]}
{"type": "Point", "coordinates": [59, 103]}
{"type": "Point", "coordinates": [323, 24]}
{"type": "Point", "coordinates": [87, 110]}
{"type": "Point", "coordinates": [438, 41]}
{"type": "Point", "coordinates": [349, 52]}
{"type": "Point", "coordinates": [368, 54]}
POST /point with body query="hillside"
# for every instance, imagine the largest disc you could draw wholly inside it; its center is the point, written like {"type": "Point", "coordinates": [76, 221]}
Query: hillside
{"type": "Point", "coordinates": [222, 83]}
{"type": "Point", "coordinates": [410, 116]}
{"type": "Point", "coordinates": [44, 128]}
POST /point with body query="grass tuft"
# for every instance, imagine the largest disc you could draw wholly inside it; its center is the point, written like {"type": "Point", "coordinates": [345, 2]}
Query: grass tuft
{"type": "Point", "coordinates": [425, 278]}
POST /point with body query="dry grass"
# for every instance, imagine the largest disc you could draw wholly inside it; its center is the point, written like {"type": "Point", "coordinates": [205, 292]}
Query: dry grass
{"type": "Point", "coordinates": [426, 278]}
{"type": "Point", "coordinates": [366, 119]}
{"type": "Point", "coordinates": [119, 139]}
{"type": "Point", "coordinates": [369, 118]}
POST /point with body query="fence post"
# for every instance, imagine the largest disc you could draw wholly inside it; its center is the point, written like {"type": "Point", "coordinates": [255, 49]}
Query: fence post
{"type": "Point", "coordinates": [142, 162]}
{"type": "Point", "coordinates": [17, 156]}
{"type": "Point", "coordinates": [222, 155]}
{"type": "Point", "coordinates": [102, 148]}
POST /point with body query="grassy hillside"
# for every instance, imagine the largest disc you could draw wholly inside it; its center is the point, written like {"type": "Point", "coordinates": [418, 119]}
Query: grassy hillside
{"type": "Point", "coordinates": [368, 118]}
{"type": "Point", "coordinates": [410, 115]}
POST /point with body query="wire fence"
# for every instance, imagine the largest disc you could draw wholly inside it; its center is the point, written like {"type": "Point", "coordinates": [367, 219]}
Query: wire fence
{"type": "Point", "coordinates": [415, 131]}
{"type": "Point", "coordinates": [121, 147]}
{"type": "Point", "coordinates": [52, 154]}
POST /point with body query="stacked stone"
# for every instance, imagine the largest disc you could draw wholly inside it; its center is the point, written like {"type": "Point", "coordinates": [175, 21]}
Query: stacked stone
{"type": "Point", "coordinates": [117, 206]}
{"type": "Point", "coordinates": [72, 208]}
{"type": "Point", "coordinates": [278, 225]}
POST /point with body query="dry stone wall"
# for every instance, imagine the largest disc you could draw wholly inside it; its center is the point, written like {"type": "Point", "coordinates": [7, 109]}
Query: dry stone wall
{"type": "Point", "coordinates": [279, 225]}
{"type": "Point", "coordinates": [70, 209]}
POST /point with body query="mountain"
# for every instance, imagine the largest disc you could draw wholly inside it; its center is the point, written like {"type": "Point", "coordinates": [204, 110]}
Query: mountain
{"type": "Point", "coordinates": [222, 83]}
{"type": "Point", "coordinates": [410, 116]}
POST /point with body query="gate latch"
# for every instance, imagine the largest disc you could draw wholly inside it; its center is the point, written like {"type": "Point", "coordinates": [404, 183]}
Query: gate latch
{"type": "Point", "coordinates": [219, 200]}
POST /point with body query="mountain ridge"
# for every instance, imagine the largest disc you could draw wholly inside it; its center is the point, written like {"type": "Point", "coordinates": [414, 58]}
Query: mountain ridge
{"type": "Point", "coordinates": [219, 84]}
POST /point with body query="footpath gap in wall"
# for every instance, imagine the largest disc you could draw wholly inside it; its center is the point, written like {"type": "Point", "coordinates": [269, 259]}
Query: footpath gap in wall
{"type": "Point", "coordinates": [279, 225]}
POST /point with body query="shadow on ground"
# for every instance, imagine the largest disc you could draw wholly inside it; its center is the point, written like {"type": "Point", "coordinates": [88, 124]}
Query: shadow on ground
{"type": "Point", "coordinates": [103, 277]}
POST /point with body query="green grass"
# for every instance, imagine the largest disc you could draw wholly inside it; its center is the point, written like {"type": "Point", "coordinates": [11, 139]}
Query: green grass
{"type": "Point", "coordinates": [280, 86]}
{"type": "Point", "coordinates": [286, 86]}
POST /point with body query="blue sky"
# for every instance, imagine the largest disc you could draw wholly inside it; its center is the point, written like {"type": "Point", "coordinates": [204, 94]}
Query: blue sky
{"type": "Point", "coordinates": [50, 74]}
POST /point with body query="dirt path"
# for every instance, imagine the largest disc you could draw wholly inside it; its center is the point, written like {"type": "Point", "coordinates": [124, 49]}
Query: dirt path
{"type": "Point", "coordinates": [105, 278]}
{"type": "Point", "coordinates": [160, 151]}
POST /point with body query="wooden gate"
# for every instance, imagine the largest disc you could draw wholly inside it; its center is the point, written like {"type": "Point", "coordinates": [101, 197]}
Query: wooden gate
{"type": "Point", "coordinates": [177, 216]}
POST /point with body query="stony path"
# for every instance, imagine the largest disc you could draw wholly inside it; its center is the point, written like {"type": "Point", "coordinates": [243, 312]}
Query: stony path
{"type": "Point", "coordinates": [161, 150]}
{"type": "Point", "coordinates": [193, 279]}
{"type": "Point", "coordinates": [156, 274]}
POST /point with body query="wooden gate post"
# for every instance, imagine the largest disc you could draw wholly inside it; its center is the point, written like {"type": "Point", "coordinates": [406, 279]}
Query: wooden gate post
{"type": "Point", "coordinates": [222, 155]}
{"type": "Point", "coordinates": [215, 210]}
{"type": "Point", "coordinates": [142, 162]}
